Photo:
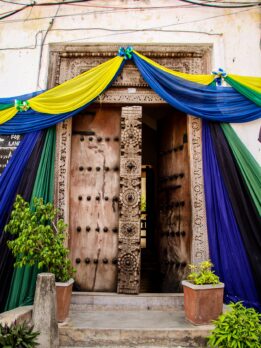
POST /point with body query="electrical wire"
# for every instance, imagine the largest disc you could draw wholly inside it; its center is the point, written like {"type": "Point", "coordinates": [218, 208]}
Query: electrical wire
{"type": "Point", "coordinates": [129, 31]}
{"type": "Point", "coordinates": [214, 4]}
{"type": "Point", "coordinates": [74, 15]}
{"type": "Point", "coordinates": [34, 3]}
{"type": "Point", "coordinates": [35, 45]}
{"type": "Point", "coordinates": [210, 4]}
{"type": "Point", "coordinates": [42, 46]}
{"type": "Point", "coordinates": [13, 12]}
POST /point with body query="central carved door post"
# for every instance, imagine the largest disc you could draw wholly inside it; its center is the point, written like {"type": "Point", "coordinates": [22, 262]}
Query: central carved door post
{"type": "Point", "coordinates": [200, 249]}
{"type": "Point", "coordinates": [130, 193]}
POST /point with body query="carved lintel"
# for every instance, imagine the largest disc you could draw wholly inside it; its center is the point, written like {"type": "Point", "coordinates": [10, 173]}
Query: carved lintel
{"type": "Point", "coordinates": [137, 96]}
{"type": "Point", "coordinates": [62, 170]}
{"type": "Point", "coordinates": [199, 250]}
{"type": "Point", "coordinates": [130, 193]}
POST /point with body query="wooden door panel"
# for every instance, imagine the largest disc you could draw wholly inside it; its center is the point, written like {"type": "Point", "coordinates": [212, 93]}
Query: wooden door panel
{"type": "Point", "coordinates": [94, 195]}
{"type": "Point", "coordinates": [174, 201]}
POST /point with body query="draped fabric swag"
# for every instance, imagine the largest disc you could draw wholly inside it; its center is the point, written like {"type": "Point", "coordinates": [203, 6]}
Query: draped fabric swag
{"type": "Point", "coordinates": [232, 176]}
{"type": "Point", "coordinates": [20, 173]}
{"type": "Point", "coordinates": [193, 94]}
{"type": "Point", "coordinates": [227, 250]}
{"type": "Point", "coordinates": [246, 214]}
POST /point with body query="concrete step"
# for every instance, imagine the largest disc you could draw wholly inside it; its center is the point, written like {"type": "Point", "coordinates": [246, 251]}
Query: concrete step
{"type": "Point", "coordinates": [112, 301]}
{"type": "Point", "coordinates": [142, 329]}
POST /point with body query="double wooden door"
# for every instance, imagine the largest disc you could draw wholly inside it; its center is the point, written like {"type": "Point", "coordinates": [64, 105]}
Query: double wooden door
{"type": "Point", "coordinates": [105, 192]}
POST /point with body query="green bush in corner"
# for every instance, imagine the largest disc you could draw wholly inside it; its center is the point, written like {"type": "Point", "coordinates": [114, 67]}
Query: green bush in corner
{"type": "Point", "coordinates": [18, 335]}
{"type": "Point", "coordinates": [39, 239]}
{"type": "Point", "coordinates": [239, 327]}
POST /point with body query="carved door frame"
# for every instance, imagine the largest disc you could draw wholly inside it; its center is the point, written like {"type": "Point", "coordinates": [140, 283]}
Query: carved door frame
{"type": "Point", "coordinates": [67, 61]}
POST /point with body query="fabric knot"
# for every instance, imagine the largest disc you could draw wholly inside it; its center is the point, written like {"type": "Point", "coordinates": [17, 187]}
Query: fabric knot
{"type": "Point", "coordinates": [21, 105]}
{"type": "Point", "coordinates": [125, 52]}
{"type": "Point", "coordinates": [219, 75]}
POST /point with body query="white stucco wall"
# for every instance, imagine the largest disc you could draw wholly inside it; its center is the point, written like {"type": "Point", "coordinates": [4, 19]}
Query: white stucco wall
{"type": "Point", "coordinates": [234, 34]}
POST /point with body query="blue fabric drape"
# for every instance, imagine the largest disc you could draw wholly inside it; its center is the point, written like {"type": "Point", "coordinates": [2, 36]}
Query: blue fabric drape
{"type": "Point", "coordinates": [11, 176]}
{"type": "Point", "coordinates": [222, 104]}
{"type": "Point", "coordinates": [227, 250]}
{"type": "Point", "coordinates": [30, 121]}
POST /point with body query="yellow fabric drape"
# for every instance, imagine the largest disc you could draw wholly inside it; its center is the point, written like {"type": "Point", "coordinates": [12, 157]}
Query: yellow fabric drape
{"type": "Point", "coordinates": [253, 83]}
{"type": "Point", "coordinates": [72, 94]}
{"type": "Point", "coordinates": [202, 79]}
{"type": "Point", "coordinates": [77, 92]}
{"type": "Point", "coordinates": [7, 114]}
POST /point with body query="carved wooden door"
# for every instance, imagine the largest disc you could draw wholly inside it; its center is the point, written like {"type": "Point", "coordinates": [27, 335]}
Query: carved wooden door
{"type": "Point", "coordinates": [94, 198]}
{"type": "Point", "coordinates": [174, 201]}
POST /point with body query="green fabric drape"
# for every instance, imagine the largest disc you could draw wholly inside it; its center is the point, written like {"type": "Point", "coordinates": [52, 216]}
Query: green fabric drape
{"type": "Point", "coordinates": [23, 283]}
{"type": "Point", "coordinates": [5, 106]}
{"type": "Point", "coordinates": [251, 94]}
{"type": "Point", "coordinates": [250, 169]}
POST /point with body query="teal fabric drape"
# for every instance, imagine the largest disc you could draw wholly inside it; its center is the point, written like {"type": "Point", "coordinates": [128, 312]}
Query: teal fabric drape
{"type": "Point", "coordinates": [248, 166]}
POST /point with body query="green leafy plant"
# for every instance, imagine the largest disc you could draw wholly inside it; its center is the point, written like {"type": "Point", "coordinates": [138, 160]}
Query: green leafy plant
{"type": "Point", "coordinates": [39, 239]}
{"type": "Point", "coordinates": [18, 336]}
{"type": "Point", "coordinates": [239, 327]}
{"type": "Point", "coordinates": [201, 274]}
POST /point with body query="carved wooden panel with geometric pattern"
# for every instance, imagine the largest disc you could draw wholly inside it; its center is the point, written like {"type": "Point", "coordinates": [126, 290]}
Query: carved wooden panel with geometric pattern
{"type": "Point", "coordinates": [130, 193]}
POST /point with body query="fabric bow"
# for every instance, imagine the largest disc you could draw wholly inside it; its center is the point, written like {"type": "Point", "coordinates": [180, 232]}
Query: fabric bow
{"type": "Point", "coordinates": [21, 105]}
{"type": "Point", "coordinates": [125, 52]}
{"type": "Point", "coordinates": [220, 74]}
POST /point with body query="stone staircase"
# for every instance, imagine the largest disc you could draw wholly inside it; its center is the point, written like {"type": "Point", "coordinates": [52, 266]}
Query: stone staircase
{"type": "Point", "coordinates": [142, 321]}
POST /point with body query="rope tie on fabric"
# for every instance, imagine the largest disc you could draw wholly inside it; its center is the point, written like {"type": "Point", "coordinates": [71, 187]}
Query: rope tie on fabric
{"type": "Point", "coordinates": [219, 75]}
{"type": "Point", "coordinates": [21, 105]}
{"type": "Point", "coordinates": [125, 52]}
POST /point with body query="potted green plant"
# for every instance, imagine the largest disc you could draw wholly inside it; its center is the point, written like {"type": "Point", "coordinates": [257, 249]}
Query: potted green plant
{"type": "Point", "coordinates": [40, 241]}
{"type": "Point", "coordinates": [239, 327]}
{"type": "Point", "coordinates": [203, 294]}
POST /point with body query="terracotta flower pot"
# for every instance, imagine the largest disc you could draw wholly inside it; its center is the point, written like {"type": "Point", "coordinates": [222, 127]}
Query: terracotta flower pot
{"type": "Point", "coordinates": [63, 299]}
{"type": "Point", "coordinates": [202, 303]}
